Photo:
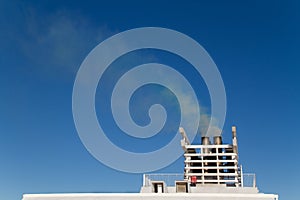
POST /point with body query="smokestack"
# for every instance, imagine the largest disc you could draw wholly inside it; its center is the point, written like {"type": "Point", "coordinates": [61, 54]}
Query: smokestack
{"type": "Point", "coordinates": [217, 140]}
{"type": "Point", "coordinates": [234, 140]}
{"type": "Point", "coordinates": [205, 141]}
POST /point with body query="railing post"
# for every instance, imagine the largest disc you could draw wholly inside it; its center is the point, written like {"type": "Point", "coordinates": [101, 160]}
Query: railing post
{"type": "Point", "coordinates": [254, 181]}
{"type": "Point", "coordinates": [144, 179]}
{"type": "Point", "coordinates": [242, 176]}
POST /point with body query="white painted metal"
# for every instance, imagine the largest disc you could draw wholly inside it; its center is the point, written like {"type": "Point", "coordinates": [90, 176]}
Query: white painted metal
{"type": "Point", "coordinates": [150, 196]}
{"type": "Point", "coordinates": [215, 166]}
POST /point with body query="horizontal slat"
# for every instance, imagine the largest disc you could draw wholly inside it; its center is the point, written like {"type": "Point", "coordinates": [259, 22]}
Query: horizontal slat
{"type": "Point", "coordinates": [217, 181]}
{"type": "Point", "coordinates": [211, 174]}
{"type": "Point", "coordinates": [210, 154]}
{"type": "Point", "coordinates": [208, 146]}
{"type": "Point", "coordinates": [212, 167]}
{"type": "Point", "coordinates": [209, 161]}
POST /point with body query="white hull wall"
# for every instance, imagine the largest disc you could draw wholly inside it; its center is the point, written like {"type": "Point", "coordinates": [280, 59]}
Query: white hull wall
{"type": "Point", "coordinates": [150, 196]}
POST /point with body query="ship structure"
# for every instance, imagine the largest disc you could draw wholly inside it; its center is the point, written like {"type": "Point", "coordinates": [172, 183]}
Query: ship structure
{"type": "Point", "coordinates": [211, 172]}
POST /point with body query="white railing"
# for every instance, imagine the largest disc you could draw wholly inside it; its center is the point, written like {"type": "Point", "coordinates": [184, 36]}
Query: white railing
{"type": "Point", "coordinates": [169, 179]}
{"type": "Point", "coordinates": [248, 180]}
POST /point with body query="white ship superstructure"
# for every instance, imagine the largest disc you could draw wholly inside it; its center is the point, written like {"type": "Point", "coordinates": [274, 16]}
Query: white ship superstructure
{"type": "Point", "coordinates": [211, 172]}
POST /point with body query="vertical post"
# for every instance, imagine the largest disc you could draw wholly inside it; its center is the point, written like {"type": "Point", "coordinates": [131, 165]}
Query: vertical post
{"type": "Point", "coordinates": [242, 176]}
{"type": "Point", "coordinates": [234, 140]}
{"type": "Point", "coordinates": [144, 179]}
{"type": "Point", "coordinates": [218, 141]}
{"type": "Point", "coordinates": [254, 181]}
{"type": "Point", "coordinates": [235, 150]}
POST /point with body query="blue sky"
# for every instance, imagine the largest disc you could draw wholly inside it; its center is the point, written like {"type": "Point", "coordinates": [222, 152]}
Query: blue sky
{"type": "Point", "coordinates": [255, 45]}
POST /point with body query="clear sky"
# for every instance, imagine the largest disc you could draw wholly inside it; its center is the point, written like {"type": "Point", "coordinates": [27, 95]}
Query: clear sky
{"type": "Point", "coordinates": [255, 45]}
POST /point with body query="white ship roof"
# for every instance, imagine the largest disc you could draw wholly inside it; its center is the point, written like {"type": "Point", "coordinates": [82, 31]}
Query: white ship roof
{"type": "Point", "coordinates": [149, 196]}
{"type": "Point", "coordinates": [211, 172]}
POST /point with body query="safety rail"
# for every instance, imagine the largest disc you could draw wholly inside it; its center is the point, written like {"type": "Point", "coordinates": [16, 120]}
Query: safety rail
{"type": "Point", "coordinates": [168, 179]}
{"type": "Point", "coordinates": [248, 179]}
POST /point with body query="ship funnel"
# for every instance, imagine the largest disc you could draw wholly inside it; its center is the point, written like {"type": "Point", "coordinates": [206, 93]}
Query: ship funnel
{"type": "Point", "coordinates": [217, 140]}
{"type": "Point", "coordinates": [205, 141]}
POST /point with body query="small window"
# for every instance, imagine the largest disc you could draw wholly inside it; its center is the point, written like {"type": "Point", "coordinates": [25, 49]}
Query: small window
{"type": "Point", "coordinates": [158, 187]}
{"type": "Point", "coordinates": [181, 187]}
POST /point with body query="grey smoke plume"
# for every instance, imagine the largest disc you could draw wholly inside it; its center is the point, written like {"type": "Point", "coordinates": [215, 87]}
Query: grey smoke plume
{"type": "Point", "coordinates": [207, 131]}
